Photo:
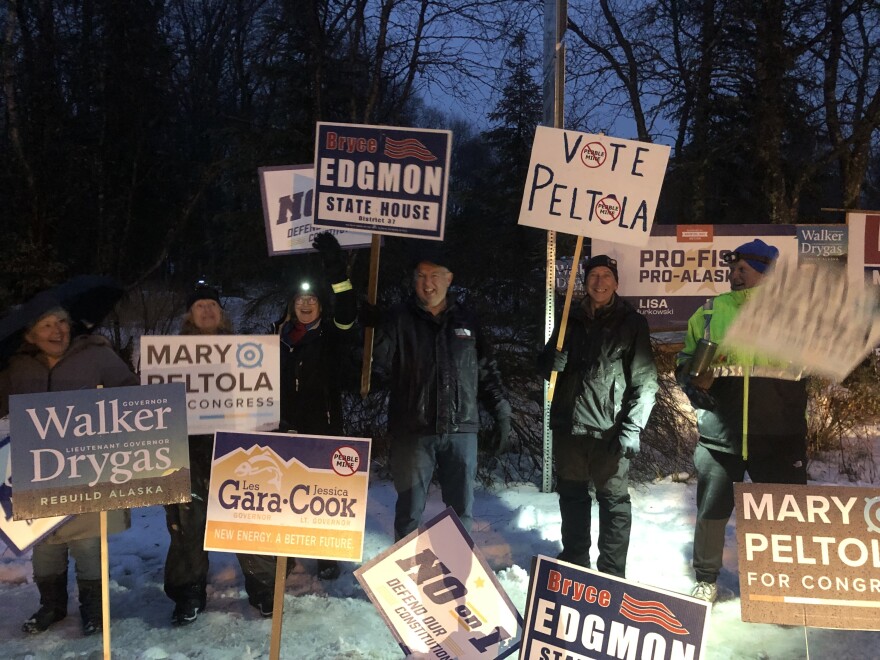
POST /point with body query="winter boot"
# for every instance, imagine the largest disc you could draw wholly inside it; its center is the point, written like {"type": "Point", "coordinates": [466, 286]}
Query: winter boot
{"type": "Point", "coordinates": [53, 604]}
{"type": "Point", "coordinates": [90, 609]}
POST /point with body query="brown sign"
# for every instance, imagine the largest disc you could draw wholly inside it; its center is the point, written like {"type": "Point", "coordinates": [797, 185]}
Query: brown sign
{"type": "Point", "coordinates": [809, 555]}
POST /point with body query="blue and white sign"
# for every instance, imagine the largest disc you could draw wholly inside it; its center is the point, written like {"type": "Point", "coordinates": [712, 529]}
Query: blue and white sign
{"type": "Point", "coordinates": [80, 451]}
{"type": "Point", "coordinates": [18, 535]}
{"type": "Point", "coordinates": [288, 208]}
{"type": "Point", "coordinates": [382, 179]}
{"type": "Point", "coordinates": [575, 613]}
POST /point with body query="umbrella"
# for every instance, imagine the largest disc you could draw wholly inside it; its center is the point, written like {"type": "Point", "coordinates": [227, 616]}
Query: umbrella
{"type": "Point", "coordinates": [87, 298]}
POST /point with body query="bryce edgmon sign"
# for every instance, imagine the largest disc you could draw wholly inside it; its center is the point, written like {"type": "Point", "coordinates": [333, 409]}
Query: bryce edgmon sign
{"type": "Point", "coordinates": [809, 555]}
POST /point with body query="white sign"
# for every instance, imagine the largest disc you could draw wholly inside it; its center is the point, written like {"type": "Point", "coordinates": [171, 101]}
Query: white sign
{"type": "Point", "coordinates": [232, 381]}
{"type": "Point", "coordinates": [18, 535]}
{"type": "Point", "coordinates": [439, 597]}
{"type": "Point", "coordinates": [683, 265]}
{"type": "Point", "coordinates": [812, 316]}
{"type": "Point", "coordinates": [863, 261]}
{"type": "Point", "coordinates": [593, 185]}
{"type": "Point", "coordinates": [288, 208]}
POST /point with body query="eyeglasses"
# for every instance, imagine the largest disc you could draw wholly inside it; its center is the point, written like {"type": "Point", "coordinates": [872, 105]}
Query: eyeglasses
{"type": "Point", "coordinates": [305, 300]}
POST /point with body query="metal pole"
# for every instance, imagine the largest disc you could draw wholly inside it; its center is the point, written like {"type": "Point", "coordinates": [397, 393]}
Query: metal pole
{"type": "Point", "coordinates": [555, 20]}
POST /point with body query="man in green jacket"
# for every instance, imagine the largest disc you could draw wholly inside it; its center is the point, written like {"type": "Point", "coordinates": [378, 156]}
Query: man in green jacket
{"type": "Point", "coordinates": [751, 413]}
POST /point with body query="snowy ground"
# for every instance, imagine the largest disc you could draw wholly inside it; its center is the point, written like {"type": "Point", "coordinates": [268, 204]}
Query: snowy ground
{"type": "Point", "coordinates": [331, 621]}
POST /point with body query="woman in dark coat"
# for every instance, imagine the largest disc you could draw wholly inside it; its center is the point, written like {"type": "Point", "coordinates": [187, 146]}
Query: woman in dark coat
{"type": "Point", "coordinates": [49, 361]}
{"type": "Point", "coordinates": [312, 357]}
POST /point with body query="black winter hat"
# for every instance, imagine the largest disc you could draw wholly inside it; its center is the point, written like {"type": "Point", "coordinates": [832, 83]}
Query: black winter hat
{"type": "Point", "coordinates": [601, 260]}
{"type": "Point", "coordinates": [424, 251]}
{"type": "Point", "coordinates": [203, 293]}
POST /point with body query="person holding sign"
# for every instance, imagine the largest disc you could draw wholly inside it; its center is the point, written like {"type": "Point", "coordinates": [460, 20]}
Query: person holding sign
{"type": "Point", "coordinates": [751, 412]}
{"type": "Point", "coordinates": [312, 351]}
{"type": "Point", "coordinates": [605, 392]}
{"type": "Point", "coordinates": [186, 565]}
{"type": "Point", "coordinates": [438, 360]}
{"type": "Point", "coordinates": [49, 361]}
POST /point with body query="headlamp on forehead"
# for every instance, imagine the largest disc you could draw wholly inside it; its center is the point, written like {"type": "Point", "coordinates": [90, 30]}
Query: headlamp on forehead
{"type": "Point", "coordinates": [731, 258]}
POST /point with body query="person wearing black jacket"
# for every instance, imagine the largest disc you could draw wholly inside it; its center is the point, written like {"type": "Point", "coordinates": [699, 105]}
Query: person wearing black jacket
{"type": "Point", "coordinates": [438, 360]}
{"type": "Point", "coordinates": [605, 391]}
{"type": "Point", "coordinates": [313, 356]}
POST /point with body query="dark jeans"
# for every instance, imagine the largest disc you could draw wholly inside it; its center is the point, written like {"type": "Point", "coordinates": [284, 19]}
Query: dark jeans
{"type": "Point", "coordinates": [716, 473]}
{"type": "Point", "coordinates": [186, 566]}
{"type": "Point", "coordinates": [582, 459]}
{"type": "Point", "coordinates": [413, 460]}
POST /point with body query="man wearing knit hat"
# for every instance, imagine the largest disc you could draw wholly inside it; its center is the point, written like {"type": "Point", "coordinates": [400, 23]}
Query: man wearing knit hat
{"type": "Point", "coordinates": [604, 395]}
{"type": "Point", "coordinates": [771, 447]}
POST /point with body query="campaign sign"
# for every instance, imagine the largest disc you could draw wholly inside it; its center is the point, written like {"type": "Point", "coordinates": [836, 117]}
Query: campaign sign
{"type": "Point", "coordinates": [668, 279]}
{"type": "Point", "coordinates": [382, 179]}
{"type": "Point", "coordinates": [575, 613]}
{"type": "Point", "coordinates": [18, 535]}
{"type": "Point", "coordinates": [439, 597]}
{"type": "Point", "coordinates": [863, 261]}
{"type": "Point", "coordinates": [82, 451]}
{"type": "Point", "coordinates": [593, 185]}
{"type": "Point", "coordinates": [562, 277]}
{"type": "Point", "coordinates": [232, 381]}
{"type": "Point", "coordinates": [291, 495]}
{"type": "Point", "coordinates": [822, 243]}
{"type": "Point", "coordinates": [809, 555]}
{"type": "Point", "coordinates": [812, 316]}
{"type": "Point", "coordinates": [288, 208]}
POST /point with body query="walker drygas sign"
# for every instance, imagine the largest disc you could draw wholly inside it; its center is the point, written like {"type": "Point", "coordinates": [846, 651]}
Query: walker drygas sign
{"type": "Point", "coordinates": [575, 613]}
{"type": "Point", "coordinates": [593, 185]}
{"type": "Point", "coordinates": [232, 381]}
{"type": "Point", "coordinates": [99, 449]}
{"type": "Point", "coordinates": [382, 179]}
{"type": "Point", "coordinates": [288, 209]}
{"type": "Point", "coordinates": [440, 598]}
{"type": "Point", "coordinates": [293, 495]}
{"type": "Point", "coordinates": [809, 555]}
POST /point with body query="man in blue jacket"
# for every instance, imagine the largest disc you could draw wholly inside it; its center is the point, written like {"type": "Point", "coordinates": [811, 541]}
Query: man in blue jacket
{"type": "Point", "coordinates": [604, 395]}
{"type": "Point", "coordinates": [438, 360]}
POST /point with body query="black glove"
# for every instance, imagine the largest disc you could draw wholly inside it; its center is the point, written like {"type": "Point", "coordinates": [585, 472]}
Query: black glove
{"type": "Point", "coordinates": [331, 255]}
{"type": "Point", "coordinates": [503, 441]}
{"type": "Point", "coordinates": [560, 359]}
{"type": "Point", "coordinates": [369, 314]}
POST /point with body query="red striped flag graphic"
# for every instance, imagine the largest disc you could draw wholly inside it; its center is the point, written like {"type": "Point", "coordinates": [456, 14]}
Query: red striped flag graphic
{"type": "Point", "coordinates": [651, 611]}
{"type": "Point", "coordinates": [407, 148]}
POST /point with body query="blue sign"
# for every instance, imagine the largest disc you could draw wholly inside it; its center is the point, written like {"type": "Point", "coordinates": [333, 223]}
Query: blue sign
{"type": "Point", "coordinates": [575, 613]}
{"type": "Point", "coordinates": [81, 451]}
{"type": "Point", "coordinates": [382, 179]}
